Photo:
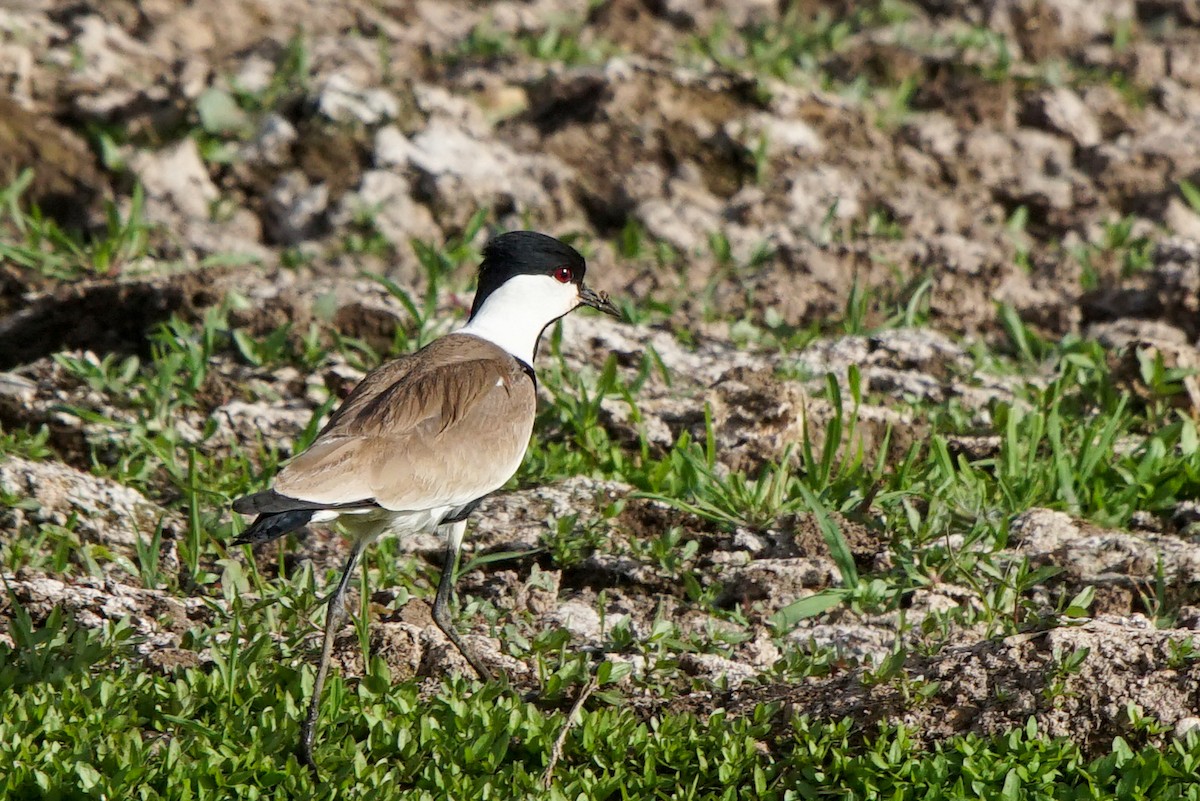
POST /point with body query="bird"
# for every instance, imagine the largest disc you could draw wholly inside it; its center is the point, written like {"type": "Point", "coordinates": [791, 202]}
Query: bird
{"type": "Point", "coordinates": [422, 439]}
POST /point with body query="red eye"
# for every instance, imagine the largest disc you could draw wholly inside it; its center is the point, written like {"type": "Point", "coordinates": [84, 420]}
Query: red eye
{"type": "Point", "coordinates": [564, 275]}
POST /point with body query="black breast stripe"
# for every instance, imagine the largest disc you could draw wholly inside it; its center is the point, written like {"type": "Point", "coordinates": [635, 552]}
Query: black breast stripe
{"type": "Point", "coordinates": [528, 370]}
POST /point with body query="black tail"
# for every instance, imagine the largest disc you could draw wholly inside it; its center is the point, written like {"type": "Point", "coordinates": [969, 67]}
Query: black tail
{"type": "Point", "coordinates": [279, 514]}
{"type": "Point", "coordinates": [272, 526]}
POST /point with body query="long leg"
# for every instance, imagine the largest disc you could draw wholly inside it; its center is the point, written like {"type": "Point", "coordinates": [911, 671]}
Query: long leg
{"type": "Point", "coordinates": [441, 603]}
{"type": "Point", "coordinates": [333, 621]}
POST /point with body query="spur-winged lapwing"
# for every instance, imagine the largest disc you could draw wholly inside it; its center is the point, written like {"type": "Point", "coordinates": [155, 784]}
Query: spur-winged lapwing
{"type": "Point", "coordinates": [422, 439]}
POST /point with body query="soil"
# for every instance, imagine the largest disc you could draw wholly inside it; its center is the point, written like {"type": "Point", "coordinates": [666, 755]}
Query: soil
{"type": "Point", "coordinates": [979, 183]}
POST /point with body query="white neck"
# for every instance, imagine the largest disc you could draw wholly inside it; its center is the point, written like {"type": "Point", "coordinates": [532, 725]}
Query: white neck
{"type": "Point", "coordinates": [515, 315]}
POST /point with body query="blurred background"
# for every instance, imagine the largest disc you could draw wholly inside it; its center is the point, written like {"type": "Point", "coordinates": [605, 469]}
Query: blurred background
{"type": "Point", "coordinates": [758, 161]}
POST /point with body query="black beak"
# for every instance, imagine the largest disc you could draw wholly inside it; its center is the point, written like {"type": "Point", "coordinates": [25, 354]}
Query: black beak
{"type": "Point", "coordinates": [598, 301]}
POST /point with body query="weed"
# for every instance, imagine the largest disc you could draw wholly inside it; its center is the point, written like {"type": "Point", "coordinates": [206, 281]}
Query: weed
{"type": "Point", "coordinates": [1065, 665]}
{"type": "Point", "coordinates": [46, 248]}
{"type": "Point", "coordinates": [569, 42]}
{"type": "Point", "coordinates": [1191, 194]}
{"type": "Point", "coordinates": [569, 542]}
{"type": "Point", "coordinates": [68, 722]}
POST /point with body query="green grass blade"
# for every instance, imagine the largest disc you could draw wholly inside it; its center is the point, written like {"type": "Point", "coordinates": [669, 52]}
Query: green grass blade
{"type": "Point", "coordinates": [839, 550]}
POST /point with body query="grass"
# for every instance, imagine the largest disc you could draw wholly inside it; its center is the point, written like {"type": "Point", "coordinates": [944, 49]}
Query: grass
{"type": "Point", "coordinates": [566, 41]}
{"type": "Point", "coordinates": [1070, 438]}
{"type": "Point", "coordinates": [38, 243]}
{"type": "Point", "coordinates": [227, 729]}
{"type": "Point", "coordinates": [83, 713]}
{"type": "Point", "coordinates": [796, 42]}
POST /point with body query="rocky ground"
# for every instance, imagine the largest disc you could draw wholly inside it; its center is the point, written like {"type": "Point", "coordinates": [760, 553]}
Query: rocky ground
{"type": "Point", "coordinates": [957, 160]}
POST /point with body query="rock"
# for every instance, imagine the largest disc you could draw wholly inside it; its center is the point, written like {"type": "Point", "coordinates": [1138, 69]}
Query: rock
{"type": "Point", "coordinates": [990, 157]}
{"type": "Point", "coordinates": [757, 416]}
{"type": "Point", "coordinates": [697, 14]}
{"type": "Point", "coordinates": [1185, 726]}
{"type": "Point", "coordinates": [621, 570]}
{"type": "Point", "coordinates": [824, 193]}
{"type": "Point", "coordinates": [1135, 343]}
{"type": "Point", "coordinates": [439, 657]}
{"type": "Point", "coordinates": [385, 199]}
{"type": "Point", "coordinates": [539, 593]}
{"type": "Point", "coordinates": [171, 660]}
{"type": "Point", "coordinates": [100, 511]}
{"type": "Point", "coordinates": [1040, 175]}
{"type": "Point", "coordinates": [960, 254]}
{"type": "Point", "coordinates": [935, 134]}
{"type": "Point", "coordinates": [399, 645]}
{"type": "Point", "coordinates": [994, 686]}
{"type": "Point", "coordinates": [442, 25]}
{"type": "Point", "coordinates": [255, 74]}
{"type": "Point", "coordinates": [686, 216]}
{"type": "Point", "coordinates": [102, 53]}
{"type": "Point", "coordinates": [1061, 111]}
{"type": "Point", "coordinates": [296, 208]}
{"type": "Point", "coordinates": [16, 72]}
{"type": "Point", "coordinates": [716, 669]}
{"type": "Point", "coordinates": [781, 137]}
{"type": "Point", "coordinates": [1182, 220]}
{"type": "Point", "coordinates": [1185, 65]}
{"type": "Point", "coordinates": [461, 173]}
{"type": "Point", "coordinates": [1091, 555]}
{"type": "Point", "coordinates": [775, 583]}
{"type": "Point", "coordinates": [159, 618]}
{"type": "Point", "coordinates": [391, 147]}
{"type": "Point", "coordinates": [341, 100]}
{"type": "Point", "coordinates": [659, 421]}
{"type": "Point", "coordinates": [583, 621]}
{"type": "Point", "coordinates": [18, 389]}
{"type": "Point", "coordinates": [901, 349]}
{"type": "Point", "coordinates": [517, 520]}
{"type": "Point", "coordinates": [453, 110]}
{"type": "Point", "coordinates": [1186, 518]}
{"type": "Point", "coordinates": [272, 142]}
{"type": "Point", "coordinates": [586, 335]}
{"type": "Point", "coordinates": [1043, 26]}
{"type": "Point", "coordinates": [1041, 530]}
{"type": "Point", "coordinates": [176, 182]}
{"type": "Point", "coordinates": [278, 424]}
{"type": "Point", "coordinates": [863, 644]}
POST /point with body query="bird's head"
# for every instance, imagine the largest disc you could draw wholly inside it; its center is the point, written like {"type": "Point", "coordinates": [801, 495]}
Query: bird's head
{"type": "Point", "coordinates": [534, 277]}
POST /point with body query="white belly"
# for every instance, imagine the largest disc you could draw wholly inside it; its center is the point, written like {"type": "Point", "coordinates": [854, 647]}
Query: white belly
{"type": "Point", "coordinates": [371, 524]}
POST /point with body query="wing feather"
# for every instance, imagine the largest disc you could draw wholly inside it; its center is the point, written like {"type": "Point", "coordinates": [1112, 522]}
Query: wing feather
{"type": "Point", "coordinates": [443, 431]}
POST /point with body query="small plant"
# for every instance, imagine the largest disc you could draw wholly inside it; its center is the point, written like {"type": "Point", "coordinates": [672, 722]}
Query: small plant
{"type": "Point", "coordinates": [990, 48]}
{"type": "Point", "coordinates": [43, 246]}
{"type": "Point", "coordinates": [30, 444]}
{"type": "Point", "coordinates": [569, 543]}
{"type": "Point", "coordinates": [1065, 665]}
{"type": "Point", "coordinates": [793, 43]}
{"type": "Point", "coordinates": [1119, 253]}
{"type": "Point", "coordinates": [1191, 193]}
{"type": "Point", "coordinates": [148, 553]}
{"type": "Point", "coordinates": [291, 78]}
{"type": "Point", "coordinates": [670, 552]}
{"type": "Point", "coordinates": [569, 42]}
{"type": "Point", "coordinates": [1182, 652]}
{"type": "Point", "coordinates": [857, 307]}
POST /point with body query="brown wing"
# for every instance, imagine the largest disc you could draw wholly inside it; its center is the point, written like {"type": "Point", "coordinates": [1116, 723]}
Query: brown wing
{"type": "Point", "coordinates": [375, 382]}
{"type": "Point", "coordinates": [442, 430]}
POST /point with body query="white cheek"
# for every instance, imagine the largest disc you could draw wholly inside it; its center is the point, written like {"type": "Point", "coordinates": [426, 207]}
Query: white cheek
{"type": "Point", "coordinates": [514, 315]}
{"type": "Point", "coordinates": [551, 294]}
{"type": "Point", "coordinates": [537, 297]}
